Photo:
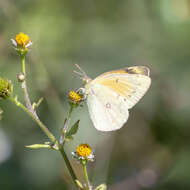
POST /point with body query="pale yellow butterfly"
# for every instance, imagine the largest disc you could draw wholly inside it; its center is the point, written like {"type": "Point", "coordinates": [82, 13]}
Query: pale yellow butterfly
{"type": "Point", "coordinates": [112, 94]}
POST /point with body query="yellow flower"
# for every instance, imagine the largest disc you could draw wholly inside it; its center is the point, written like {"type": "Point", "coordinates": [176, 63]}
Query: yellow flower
{"type": "Point", "coordinates": [75, 97]}
{"type": "Point", "coordinates": [84, 152]}
{"type": "Point", "coordinates": [21, 43]}
{"type": "Point", "coordinates": [22, 39]}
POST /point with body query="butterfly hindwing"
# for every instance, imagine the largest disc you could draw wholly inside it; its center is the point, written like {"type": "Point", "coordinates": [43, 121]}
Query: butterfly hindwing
{"type": "Point", "coordinates": [108, 111]}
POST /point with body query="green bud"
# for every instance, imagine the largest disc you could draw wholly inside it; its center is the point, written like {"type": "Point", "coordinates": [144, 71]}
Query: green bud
{"type": "Point", "coordinates": [6, 88]}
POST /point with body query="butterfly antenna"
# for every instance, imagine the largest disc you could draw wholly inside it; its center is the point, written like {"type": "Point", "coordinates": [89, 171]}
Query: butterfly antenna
{"type": "Point", "coordinates": [82, 74]}
{"type": "Point", "coordinates": [80, 69]}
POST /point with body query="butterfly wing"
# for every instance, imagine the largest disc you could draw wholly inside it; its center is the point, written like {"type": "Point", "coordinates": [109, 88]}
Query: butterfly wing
{"type": "Point", "coordinates": [107, 111]}
{"type": "Point", "coordinates": [111, 95]}
{"type": "Point", "coordinates": [129, 83]}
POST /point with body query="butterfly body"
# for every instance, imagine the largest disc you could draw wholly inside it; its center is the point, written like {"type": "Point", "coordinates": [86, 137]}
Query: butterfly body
{"type": "Point", "coordinates": [112, 94]}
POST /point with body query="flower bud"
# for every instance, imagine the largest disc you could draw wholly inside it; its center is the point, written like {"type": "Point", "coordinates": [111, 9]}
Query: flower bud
{"type": "Point", "coordinates": [6, 88]}
{"type": "Point", "coordinates": [21, 77]}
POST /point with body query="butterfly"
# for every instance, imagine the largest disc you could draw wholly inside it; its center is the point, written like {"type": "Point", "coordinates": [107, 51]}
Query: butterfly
{"type": "Point", "coordinates": [111, 95]}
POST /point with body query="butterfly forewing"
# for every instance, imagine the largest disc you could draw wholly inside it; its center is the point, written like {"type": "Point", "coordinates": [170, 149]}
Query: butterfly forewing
{"type": "Point", "coordinates": [131, 87]}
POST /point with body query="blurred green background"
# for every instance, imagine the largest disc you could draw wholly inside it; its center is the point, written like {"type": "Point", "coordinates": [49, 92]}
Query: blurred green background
{"type": "Point", "coordinates": [153, 150]}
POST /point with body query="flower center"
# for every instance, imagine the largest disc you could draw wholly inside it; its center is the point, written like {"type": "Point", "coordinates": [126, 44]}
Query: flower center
{"type": "Point", "coordinates": [84, 150]}
{"type": "Point", "coordinates": [74, 97]}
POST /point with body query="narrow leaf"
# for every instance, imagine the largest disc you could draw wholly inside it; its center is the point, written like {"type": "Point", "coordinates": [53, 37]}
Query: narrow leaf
{"type": "Point", "coordinates": [35, 105]}
{"type": "Point", "coordinates": [73, 129]}
{"type": "Point", "coordinates": [37, 146]}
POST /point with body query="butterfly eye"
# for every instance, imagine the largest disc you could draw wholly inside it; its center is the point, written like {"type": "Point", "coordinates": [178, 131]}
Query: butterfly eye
{"type": "Point", "coordinates": [82, 92]}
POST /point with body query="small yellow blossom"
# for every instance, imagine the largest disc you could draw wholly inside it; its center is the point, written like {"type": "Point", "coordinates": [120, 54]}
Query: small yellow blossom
{"type": "Point", "coordinates": [75, 97]}
{"type": "Point", "coordinates": [84, 150]}
{"type": "Point", "coordinates": [84, 153]}
{"type": "Point", "coordinates": [21, 43]}
{"type": "Point", "coordinates": [22, 39]}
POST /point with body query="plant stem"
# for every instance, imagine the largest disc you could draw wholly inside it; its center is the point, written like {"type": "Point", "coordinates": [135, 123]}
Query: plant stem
{"type": "Point", "coordinates": [29, 110]}
{"type": "Point", "coordinates": [69, 167]}
{"type": "Point", "coordinates": [50, 135]}
{"type": "Point", "coordinates": [85, 174]}
{"type": "Point", "coordinates": [32, 113]}
{"type": "Point", "coordinates": [23, 64]}
{"type": "Point", "coordinates": [61, 149]}
{"type": "Point", "coordinates": [66, 126]}
{"type": "Point", "coordinates": [42, 126]}
{"type": "Point", "coordinates": [24, 87]}
{"type": "Point", "coordinates": [71, 110]}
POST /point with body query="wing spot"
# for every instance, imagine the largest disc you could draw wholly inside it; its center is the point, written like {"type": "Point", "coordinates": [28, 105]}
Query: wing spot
{"type": "Point", "coordinates": [108, 105]}
{"type": "Point", "coordinates": [117, 80]}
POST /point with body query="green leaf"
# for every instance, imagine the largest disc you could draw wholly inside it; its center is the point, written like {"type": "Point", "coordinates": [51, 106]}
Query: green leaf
{"type": "Point", "coordinates": [101, 187]}
{"type": "Point", "coordinates": [73, 129]}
